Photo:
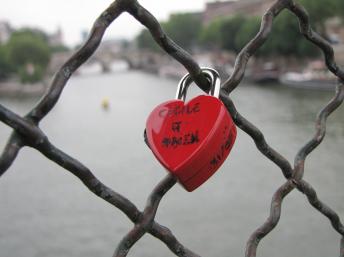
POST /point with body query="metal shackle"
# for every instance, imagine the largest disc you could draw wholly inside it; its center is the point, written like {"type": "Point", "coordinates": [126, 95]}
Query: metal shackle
{"type": "Point", "coordinates": [211, 74]}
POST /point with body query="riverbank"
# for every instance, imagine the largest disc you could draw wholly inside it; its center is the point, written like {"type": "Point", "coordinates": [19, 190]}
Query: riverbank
{"type": "Point", "coordinates": [13, 88]}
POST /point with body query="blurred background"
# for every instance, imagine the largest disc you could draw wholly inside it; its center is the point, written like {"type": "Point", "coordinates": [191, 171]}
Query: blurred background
{"type": "Point", "coordinates": [100, 118]}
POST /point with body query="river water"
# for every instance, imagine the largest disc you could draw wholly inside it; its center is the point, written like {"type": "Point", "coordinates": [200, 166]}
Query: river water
{"type": "Point", "coordinates": [47, 212]}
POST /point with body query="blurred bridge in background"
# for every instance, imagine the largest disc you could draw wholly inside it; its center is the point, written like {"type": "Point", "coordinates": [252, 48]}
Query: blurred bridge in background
{"type": "Point", "coordinates": [109, 53]}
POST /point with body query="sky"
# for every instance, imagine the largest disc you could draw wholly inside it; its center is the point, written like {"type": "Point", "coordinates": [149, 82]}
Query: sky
{"type": "Point", "coordinates": [75, 16]}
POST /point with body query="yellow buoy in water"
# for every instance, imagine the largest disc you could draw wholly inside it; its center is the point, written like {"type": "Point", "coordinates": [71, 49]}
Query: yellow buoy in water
{"type": "Point", "coordinates": [105, 103]}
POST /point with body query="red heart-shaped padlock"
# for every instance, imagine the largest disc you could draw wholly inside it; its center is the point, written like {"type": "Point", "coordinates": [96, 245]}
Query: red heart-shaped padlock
{"type": "Point", "coordinates": [191, 140]}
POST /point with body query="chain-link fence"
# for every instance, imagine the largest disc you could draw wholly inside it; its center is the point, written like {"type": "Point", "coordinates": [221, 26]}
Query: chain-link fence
{"type": "Point", "coordinates": [26, 131]}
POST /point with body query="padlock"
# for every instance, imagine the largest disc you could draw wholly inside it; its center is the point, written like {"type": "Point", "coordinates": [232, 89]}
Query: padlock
{"type": "Point", "coordinates": [192, 140]}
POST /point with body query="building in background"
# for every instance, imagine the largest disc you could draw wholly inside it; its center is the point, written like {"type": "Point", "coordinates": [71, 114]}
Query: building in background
{"type": "Point", "coordinates": [5, 32]}
{"type": "Point", "coordinates": [335, 30]}
{"type": "Point", "coordinates": [220, 9]}
{"type": "Point", "coordinates": [56, 39]}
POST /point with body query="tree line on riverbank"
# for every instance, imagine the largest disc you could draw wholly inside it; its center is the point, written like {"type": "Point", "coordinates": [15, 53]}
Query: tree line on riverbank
{"type": "Point", "coordinates": [232, 33]}
{"type": "Point", "coordinates": [26, 55]}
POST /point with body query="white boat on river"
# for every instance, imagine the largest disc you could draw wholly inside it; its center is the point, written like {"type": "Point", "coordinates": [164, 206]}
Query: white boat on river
{"type": "Point", "coordinates": [315, 77]}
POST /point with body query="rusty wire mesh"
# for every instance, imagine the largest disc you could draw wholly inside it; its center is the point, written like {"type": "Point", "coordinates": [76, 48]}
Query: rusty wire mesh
{"type": "Point", "coordinates": [26, 131]}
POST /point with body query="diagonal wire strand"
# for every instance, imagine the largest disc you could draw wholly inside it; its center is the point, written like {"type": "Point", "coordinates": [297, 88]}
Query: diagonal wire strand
{"type": "Point", "coordinates": [10, 153]}
{"type": "Point", "coordinates": [48, 101]}
{"type": "Point", "coordinates": [38, 140]}
{"type": "Point", "coordinates": [147, 219]}
{"type": "Point", "coordinates": [284, 165]}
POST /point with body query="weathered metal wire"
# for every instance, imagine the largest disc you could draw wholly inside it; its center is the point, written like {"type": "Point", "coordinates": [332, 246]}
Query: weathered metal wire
{"type": "Point", "coordinates": [296, 180]}
{"type": "Point", "coordinates": [26, 131]}
{"type": "Point", "coordinates": [147, 219]}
